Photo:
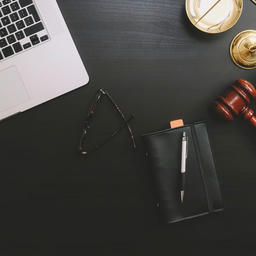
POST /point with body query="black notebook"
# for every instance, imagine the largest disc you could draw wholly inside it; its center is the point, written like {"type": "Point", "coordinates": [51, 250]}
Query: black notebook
{"type": "Point", "coordinates": [202, 191]}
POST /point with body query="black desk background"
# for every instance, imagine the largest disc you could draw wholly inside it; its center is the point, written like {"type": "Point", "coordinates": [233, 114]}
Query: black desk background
{"type": "Point", "coordinates": [157, 66]}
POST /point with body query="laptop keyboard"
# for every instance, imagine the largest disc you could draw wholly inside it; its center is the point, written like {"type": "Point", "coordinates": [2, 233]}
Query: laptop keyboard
{"type": "Point", "coordinates": [21, 27]}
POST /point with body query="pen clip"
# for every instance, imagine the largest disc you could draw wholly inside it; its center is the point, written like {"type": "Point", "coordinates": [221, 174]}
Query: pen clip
{"type": "Point", "coordinates": [187, 148]}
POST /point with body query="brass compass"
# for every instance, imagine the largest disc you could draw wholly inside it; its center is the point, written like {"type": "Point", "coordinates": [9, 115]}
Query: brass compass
{"type": "Point", "coordinates": [243, 49]}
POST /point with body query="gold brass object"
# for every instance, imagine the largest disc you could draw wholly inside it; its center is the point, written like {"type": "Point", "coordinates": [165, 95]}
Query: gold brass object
{"type": "Point", "coordinates": [214, 16]}
{"type": "Point", "coordinates": [243, 49]}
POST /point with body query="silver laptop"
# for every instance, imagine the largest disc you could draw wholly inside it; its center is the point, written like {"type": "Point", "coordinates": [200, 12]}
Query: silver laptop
{"type": "Point", "coordinates": [38, 58]}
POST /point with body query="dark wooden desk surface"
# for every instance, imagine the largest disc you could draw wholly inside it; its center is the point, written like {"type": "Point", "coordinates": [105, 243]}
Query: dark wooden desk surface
{"type": "Point", "coordinates": [157, 66]}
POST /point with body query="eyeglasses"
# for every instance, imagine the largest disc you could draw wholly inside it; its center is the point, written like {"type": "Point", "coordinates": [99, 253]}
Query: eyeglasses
{"type": "Point", "coordinates": [87, 125]}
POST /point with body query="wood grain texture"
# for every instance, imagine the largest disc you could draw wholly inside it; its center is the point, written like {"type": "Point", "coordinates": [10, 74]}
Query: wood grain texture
{"type": "Point", "coordinates": [134, 29]}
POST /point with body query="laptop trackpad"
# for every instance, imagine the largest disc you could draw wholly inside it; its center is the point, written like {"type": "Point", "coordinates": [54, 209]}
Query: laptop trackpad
{"type": "Point", "coordinates": [12, 89]}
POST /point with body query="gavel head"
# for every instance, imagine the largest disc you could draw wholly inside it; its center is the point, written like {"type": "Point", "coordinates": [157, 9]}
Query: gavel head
{"type": "Point", "coordinates": [236, 100]}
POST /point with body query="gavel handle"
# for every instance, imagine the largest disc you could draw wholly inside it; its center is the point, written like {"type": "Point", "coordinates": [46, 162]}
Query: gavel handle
{"type": "Point", "coordinates": [253, 121]}
{"type": "Point", "coordinates": [249, 115]}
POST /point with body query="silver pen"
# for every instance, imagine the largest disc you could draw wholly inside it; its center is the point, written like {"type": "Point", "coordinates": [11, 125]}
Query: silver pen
{"type": "Point", "coordinates": [184, 155]}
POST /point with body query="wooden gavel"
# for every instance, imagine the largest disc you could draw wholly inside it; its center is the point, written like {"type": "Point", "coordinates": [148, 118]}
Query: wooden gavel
{"type": "Point", "coordinates": [236, 101]}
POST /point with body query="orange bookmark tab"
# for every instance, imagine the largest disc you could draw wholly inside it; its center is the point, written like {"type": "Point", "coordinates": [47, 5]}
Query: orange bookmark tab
{"type": "Point", "coordinates": [176, 123]}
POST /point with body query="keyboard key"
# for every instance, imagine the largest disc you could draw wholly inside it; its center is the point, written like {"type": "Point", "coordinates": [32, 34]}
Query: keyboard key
{"type": "Point", "coordinates": [6, 21]}
{"type": "Point", "coordinates": [1, 14]}
{"type": "Point", "coordinates": [44, 38]}
{"type": "Point", "coordinates": [6, 10]}
{"type": "Point", "coordinates": [11, 39]}
{"type": "Point", "coordinates": [3, 43]}
{"type": "Point", "coordinates": [29, 21]}
{"type": "Point", "coordinates": [17, 47]}
{"type": "Point", "coordinates": [14, 17]}
{"type": "Point", "coordinates": [23, 13]}
{"type": "Point", "coordinates": [11, 28]}
{"type": "Point", "coordinates": [34, 40]}
{"type": "Point", "coordinates": [32, 10]}
{"type": "Point", "coordinates": [8, 51]}
{"type": "Point", "coordinates": [3, 32]}
{"type": "Point", "coordinates": [26, 46]}
{"type": "Point", "coordinates": [15, 6]}
{"type": "Point", "coordinates": [20, 35]}
{"type": "Point", "coordinates": [34, 29]}
{"type": "Point", "coordinates": [1, 56]}
{"type": "Point", "coordinates": [6, 2]}
{"type": "Point", "coordinates": [20, 24]}
{"type": "Point", "coordinates": [24, 3]}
